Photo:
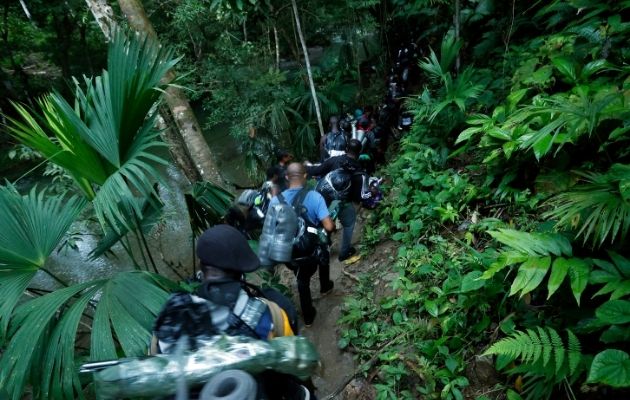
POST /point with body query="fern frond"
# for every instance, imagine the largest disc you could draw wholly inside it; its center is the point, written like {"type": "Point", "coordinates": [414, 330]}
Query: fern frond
{"type": "Point", "coordinates": [546, 345]}
{"type": "Point", "coordinates": [558, 347]}
{"type": "Point", "coordinates": [541, 348]}
{"type": "Point", "coordinates": [575, 352]}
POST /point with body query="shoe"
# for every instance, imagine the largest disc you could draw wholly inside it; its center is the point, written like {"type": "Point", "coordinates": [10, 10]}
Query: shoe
{"type": "Point", "coordinates": [345, 256]}
{"type": "Point", "coordinates": [309, 321]}
{"type": "Point", "coordinates": [327, 289]}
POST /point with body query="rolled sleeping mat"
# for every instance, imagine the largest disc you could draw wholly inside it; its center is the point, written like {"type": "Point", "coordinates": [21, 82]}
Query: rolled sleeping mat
{"type": "Point", "coordinates": [232, 384]}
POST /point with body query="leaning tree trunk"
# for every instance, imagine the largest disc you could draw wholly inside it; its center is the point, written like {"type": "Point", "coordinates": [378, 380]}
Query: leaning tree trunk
{"type": "Point", "coordinates": [183, 114]}
{"type": "Point", "coordinates": [104, 16]}
{"type": "Point", "coordinates": [308, 68]}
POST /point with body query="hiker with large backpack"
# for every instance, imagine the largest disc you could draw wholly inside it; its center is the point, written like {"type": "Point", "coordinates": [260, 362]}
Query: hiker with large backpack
{"type": "Point", "coordinates": [225, 304]}
{"type": "Point", "coordinates": [342, 179]}
{"type": "Point", "coordinates": [295, 233]}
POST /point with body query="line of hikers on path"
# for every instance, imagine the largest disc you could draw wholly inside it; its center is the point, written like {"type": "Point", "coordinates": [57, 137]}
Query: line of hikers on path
{"type": "Point", "coordinates": [293, 219]}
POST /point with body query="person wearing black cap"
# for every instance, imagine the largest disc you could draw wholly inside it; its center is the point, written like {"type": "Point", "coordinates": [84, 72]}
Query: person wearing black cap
{"type": "Point", "coordinates": [225, 256]}
{"type": "Point", "coordinates": [226, 304]}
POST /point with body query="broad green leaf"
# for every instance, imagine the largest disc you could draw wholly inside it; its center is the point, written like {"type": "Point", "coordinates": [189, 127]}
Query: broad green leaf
{"type": "Point", "coordinates": [535, 244]}
{"type": "Point", "coordinates": [610, 367]}
{"type": "Point", "coordinates": [558, 273]}
{"type": "Point", "coordinates": [542, 146]}
{"type": "Point", "coordinates": [472, 281]}
{"type": "Point", "coordinates": [622, 263]}
{"type": "Point", "coordinates": [432, 307]}
{"type": "Point", "coordinates": [530, 274]}
{"type": "Point", "coordinates": [467, 133]}
{"type": "Point", "coordinates": [512, 395]}
{"type": "Point", "coordinates": [505, 259]}
{"type": "Point", "coordinates": [579, 271]}
{"type": "Point", "coordinates": [614, 312]}
{"type": "Point", "coordinates": [593, 67]}
{"type": "Point", "coordinates": [566, 66]}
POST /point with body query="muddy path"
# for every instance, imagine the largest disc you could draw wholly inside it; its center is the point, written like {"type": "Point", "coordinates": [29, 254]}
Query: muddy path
{"type": "Point", "coordinates": [338, 367]}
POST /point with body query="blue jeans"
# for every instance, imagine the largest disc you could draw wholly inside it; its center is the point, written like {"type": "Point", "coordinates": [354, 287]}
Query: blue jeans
{"type": "Point", "coordinates": [347, 217]}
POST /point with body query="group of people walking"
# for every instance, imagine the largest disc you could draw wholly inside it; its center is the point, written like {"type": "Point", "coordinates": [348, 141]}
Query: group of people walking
{"type": "Point", "coordinates": [296, 219]}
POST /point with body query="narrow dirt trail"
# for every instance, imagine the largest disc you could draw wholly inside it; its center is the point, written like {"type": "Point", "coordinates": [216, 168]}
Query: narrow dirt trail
{"type": "Point", "coordinates": [338, 366]}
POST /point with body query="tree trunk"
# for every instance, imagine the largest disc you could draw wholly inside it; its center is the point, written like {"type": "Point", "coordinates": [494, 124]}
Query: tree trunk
{"type": "Point", "coordinates": [308, 68]}
{"type": "Point", "coordinates": [277, 43]}
{"type": "Point", "coordinates": [104, 16]}
{"type": "Point", "coordinates": [181, 149]}
{"type": "Point", "coordinates": [457, 23]}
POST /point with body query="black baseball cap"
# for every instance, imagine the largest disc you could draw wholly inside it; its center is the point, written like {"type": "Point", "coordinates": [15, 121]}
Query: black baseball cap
{"type": "Point", "coordinates": [224, 247]}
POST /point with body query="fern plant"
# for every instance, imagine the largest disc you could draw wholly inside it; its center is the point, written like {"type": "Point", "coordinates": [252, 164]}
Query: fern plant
{"type": "Point", "coordinates": [545, 360]}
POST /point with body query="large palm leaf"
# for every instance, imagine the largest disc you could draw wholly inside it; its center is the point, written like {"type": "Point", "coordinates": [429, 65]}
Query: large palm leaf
{"type": "Point", "coordinates": [599, 209]}
{"type": "Point", "coordinates": [108, 140]}
{"type": "Point", "coordinates": [43, 332]}
{"type": "Point", "coordinates": [32, 226]}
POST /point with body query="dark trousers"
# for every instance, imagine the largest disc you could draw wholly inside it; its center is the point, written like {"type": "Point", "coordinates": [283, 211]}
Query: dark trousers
{"type": "Point", "coordinates": [347, 217]}
{"type": "Point", "coordinates": [303, 271]}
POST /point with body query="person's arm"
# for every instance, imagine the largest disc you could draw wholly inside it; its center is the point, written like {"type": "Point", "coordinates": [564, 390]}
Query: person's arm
{"type": "Point", "coordinates": [321, 169]}
{"type": "Point", "coordinates": [328, 224]}
{"type": "Point", "coordinates": [322, 213]}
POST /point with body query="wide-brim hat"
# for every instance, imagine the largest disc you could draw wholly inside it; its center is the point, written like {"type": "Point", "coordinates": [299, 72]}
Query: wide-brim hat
{"type": "Point", "coordinates": [224, 247]}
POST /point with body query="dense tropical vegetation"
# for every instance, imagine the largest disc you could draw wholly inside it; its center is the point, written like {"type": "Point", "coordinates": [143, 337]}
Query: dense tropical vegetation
{"type": "Point", "coordinates": [509, 200]}
{"type": "Point", "coordinates": [510, 203]}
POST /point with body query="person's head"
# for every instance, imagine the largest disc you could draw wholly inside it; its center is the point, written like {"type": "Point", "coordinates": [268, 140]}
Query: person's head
{"type": "Point", "coordinates": [283, 156]}
{"type": "Point", "coordinates": [272, 174]}
{"type": "Point", "coordinates": [333, 123]}
{"type": "Point", "coordinates": [358, 113]}
{"type": "Point", "coordinates": [296, 175]}
{"type": "Point", "coordinates": [353, 149]}
{"type": "Point", "coordinates": [223, 251]}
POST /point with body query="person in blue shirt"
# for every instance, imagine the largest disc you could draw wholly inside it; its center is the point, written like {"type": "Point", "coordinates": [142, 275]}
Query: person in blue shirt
{"type": "Point", "coordinates": [317, 214]}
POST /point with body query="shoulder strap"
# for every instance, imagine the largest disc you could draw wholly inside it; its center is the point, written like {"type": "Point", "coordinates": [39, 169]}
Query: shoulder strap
{"type": "Point", "coordinates": [300, 197]}
{"type": "Point", "coordinates": [281, 199]}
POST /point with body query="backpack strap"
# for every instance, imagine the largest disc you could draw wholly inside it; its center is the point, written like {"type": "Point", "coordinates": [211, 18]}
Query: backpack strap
{"type": "Point", "coordinates": [281, 199]}
{"type": "Point", "coordinates": [300, 197]}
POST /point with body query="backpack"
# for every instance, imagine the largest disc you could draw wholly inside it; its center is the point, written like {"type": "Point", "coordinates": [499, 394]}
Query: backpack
{"type": "Point", "coordinates": [335, 185]}
{"type": "Point", "coordinates": [335, 141]}
{"type": "Point", "coordinates": [287, 233]}
{"type": "Point", "coordinates": [253, 312]}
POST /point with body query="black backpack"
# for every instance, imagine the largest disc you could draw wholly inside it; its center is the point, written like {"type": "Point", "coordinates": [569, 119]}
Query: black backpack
{"type": "Point", "coordinates": [306, 238]}
{"type": "Point", "coordinates": [335, 141]}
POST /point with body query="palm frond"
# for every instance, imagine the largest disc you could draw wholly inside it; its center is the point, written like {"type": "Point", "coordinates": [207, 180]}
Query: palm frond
{"type": "Point", "coordinates": [207, 204]}
{"type": "Point", "coordinates": [598, 209]}
{"type": "Point", "coordinates": [32, 226]}
{"type": "Point", "coordinates": [127, 306]}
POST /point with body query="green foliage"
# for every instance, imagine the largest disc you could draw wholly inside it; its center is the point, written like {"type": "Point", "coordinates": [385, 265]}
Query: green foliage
{"type": "Point", "coordinates": [109, 140]}
{"type": "Point", "coordinates": [43, 332]}
{"type": "Point", "coordinates": [207, 204]}
{"type": "Point", "coordinates": [599, 209]}
{"type": "Point", "coordinates": [450, 91]}
{"type": "Point", "coordinates": [615, 276]}
{"type": "Point", "coordinates": [33, 225]}
{"type": "Point", "coordinates": [544, 359]}
{"type": "Point", "coordinates": [542, 347]}
{"type": "Point", "coordinates": [485, 164]}
{"type": "Point", "coordinates": [611, 367]}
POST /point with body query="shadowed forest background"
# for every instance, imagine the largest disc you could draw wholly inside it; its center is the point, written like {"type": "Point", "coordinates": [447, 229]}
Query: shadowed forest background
{"type": "Point", "coordinates": [507, 203]}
